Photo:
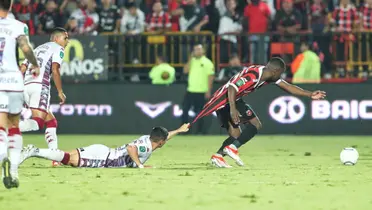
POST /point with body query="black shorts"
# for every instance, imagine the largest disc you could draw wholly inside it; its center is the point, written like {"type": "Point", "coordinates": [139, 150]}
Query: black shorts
{"type": "Point", "coordinates": [244, 109]}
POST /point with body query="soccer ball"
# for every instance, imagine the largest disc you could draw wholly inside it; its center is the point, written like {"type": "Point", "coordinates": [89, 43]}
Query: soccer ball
{"type": "Point", "coordinates": [349, 156]}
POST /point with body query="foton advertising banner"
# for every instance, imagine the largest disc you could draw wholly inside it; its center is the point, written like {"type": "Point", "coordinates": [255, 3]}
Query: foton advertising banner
{"type": "Point", "coordinates": [85, 59]}
{"type": "Point", "coordinates": [135, 109]}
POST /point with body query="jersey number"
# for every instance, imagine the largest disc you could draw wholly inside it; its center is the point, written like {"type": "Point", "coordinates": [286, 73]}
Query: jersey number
{"type": "Point", "coordinates": [2, 48]}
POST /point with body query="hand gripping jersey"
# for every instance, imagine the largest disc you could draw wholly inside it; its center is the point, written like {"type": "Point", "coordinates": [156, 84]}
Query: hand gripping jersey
{"type": "Point", "coordinates": [244, 82]}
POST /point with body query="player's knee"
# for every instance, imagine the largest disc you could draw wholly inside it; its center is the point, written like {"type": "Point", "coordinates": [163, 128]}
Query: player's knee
{"type": "Point", "coordinates": [257, 123]}
{"type": "Point", "coordinates": [51, 123]}
{"type": "Point", "coordinates": [39, 121]}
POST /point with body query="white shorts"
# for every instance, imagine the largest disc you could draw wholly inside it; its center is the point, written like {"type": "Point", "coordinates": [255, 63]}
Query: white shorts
{"type": "Point", "coordinates": [94, 156]}
{"type": "Point", "coordinates": [37, 96]}
{"type": "Point", "coordinates": [11, 102]}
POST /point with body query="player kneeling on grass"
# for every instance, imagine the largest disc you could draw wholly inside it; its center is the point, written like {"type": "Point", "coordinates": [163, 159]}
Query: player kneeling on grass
{"type": "Point", "coordinates": [131, 155]}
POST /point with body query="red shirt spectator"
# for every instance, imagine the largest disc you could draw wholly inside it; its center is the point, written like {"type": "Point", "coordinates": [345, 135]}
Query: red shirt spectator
{"type": "Point", "coordinates": [158, 20]}
{"type": "Point", "coordinates": [258, 16]}
{"type": "Point", "coordinates": [173, 5]}
{"type": "Point", "coordinates": [345, 17]}
{"type": "Point", "coordinates": [25, 11]}
{"type": "Point", "coordinates": [366, 15]}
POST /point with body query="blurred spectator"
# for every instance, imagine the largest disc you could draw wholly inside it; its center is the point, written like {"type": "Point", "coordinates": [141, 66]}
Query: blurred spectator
{"type": "Point", "coordinates": [288, 20]}
{"type": "Point", "coordinates": [344, 17]}
{"type": "Point", "coordinates": [319, 26]}
{"type": "Point", "coordinates": [212, 11]}
{"type": "Point", "coordinates": [271, 5]}
{"type": "Point", "coordinates": [133, 21]}
{"type": "Point", "coordinates": [109, 17]}
{"type": "Point", "coordinates": [84, 19]}
{"type": "Point", "coordinates": [234, 67]}
{"type": "Point", "coordinates": [200, 81]}
{"type": "Point", "coordinates": [306, 67]}
{"type": "Point", "coordinates": [49, 19]}
{"type": "Point", "coordinates": [172, 6]}
{"type": "Point", "coordinates": [318, 13]}
{"type": "Point", "coordinates": [192, 16]}
{"type": "Point", "coordinates": [258, 15]}
{"type": "Point", "coordinates": [221, 7]}
{"type": "Point", "coordinates": [366, 26]}
{"type": "Point", "coordinates": [69, 6]}
{"type": "Point", "coordinates": [162, 73]}
{"type": "Point", "coordinates": [158, 21]}
{"type": "Point", "coordinates": [147, 5]}
{"type": "Point", "coordinates": [344, 20]}
{"type": "Point", "coordinates": [231, 22]}
{"type": "Point", "coordinates": [25, 11]}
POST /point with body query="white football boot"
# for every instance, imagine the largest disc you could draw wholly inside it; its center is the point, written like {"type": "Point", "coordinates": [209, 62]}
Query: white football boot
{"type": "Point", "coordinates": [218, 161]}
{"type": "Point", "coordinates": [232, 152]}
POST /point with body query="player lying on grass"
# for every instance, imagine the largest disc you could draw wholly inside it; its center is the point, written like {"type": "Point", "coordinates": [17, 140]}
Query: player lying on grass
{"type": "Point", "coordinates": [236, 116]}
{"type": "Point", "coordinates": [132, 155]}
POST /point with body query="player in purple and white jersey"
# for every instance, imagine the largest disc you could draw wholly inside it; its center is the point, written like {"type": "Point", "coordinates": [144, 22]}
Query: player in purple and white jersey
{"type": "Point", "coordinates": [37, 89]}
{"type": "Point", "coordinates": [132, 155]}
{"type": "Point", "coordinates": [12, 32]}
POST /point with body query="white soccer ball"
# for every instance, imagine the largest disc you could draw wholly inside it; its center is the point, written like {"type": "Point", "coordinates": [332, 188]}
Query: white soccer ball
{"type": "Point", "coordinates": [349, 156]}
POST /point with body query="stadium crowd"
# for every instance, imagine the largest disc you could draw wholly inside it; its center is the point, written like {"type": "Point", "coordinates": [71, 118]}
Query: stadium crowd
{"type": "Point", "coordinates": [325, 21]}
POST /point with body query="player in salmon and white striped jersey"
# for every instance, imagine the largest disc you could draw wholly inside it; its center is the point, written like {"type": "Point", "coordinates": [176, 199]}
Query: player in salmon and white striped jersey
{"type": "Point", "coordinates": [132, 155]}
{"type": "Point", "coordinates": [37, 89]}
{"type": "Point", "coordinates": [11, 91]}
{"type": "Point", "coordinates": [237, 117]}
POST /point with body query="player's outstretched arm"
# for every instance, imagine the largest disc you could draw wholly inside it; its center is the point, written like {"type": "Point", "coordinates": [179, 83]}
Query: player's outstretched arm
{"type": "Point", "coordinates": [295, 90]}
{"type": "Point", "coordinates": [28, 51]}
{"type": "Point", "coordinates": [184, 128]}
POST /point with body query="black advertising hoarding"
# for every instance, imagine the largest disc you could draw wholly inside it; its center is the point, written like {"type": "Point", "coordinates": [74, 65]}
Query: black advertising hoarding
{"type": "Point", "coordinates": [136, 108]}
{"type": "Point", "coordinates": [86, 57]}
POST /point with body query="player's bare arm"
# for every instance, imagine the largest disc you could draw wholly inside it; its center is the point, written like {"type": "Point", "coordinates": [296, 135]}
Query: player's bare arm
{"type": "Point", "coordinates": [231, 93]}
{"type": "Point", "coordinates": [133, 153]}
{"type": "Point", "coordinates": [295, 90]}
{"type": "Point", "coordinates": [57, 82]}
{"type": "Point", "coordinates": [183, 129]}
{"type": "Point", "coordinates": [28, 51]}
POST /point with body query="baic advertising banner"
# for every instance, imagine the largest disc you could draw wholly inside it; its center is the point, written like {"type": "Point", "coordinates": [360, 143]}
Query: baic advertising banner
{"type": "Point", "coordinates": [85, 59]}
{"type": "Point", "coordinates": [136, 108]}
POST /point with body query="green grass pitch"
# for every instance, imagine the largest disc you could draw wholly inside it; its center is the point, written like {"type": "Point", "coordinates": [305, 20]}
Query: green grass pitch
{"type": "Point", "coordinates": [277, 176]}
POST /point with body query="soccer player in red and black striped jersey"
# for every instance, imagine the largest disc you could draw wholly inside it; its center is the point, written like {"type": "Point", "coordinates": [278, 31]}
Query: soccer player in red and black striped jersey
{"type": "Point", "coordinates": [238, 117]}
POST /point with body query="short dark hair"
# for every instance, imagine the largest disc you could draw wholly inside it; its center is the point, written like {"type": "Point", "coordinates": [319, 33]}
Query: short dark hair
{"type": "Point", "coordinates": [56, 31]}
{"type": "Point", "coordinates": [5, 4]}
{"type": "Point", "coordinates": [158, 134]}
{"type": "Point", "coordinates": [277, 63]}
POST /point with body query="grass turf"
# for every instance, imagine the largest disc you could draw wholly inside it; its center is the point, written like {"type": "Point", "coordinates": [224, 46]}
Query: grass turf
{"type": "Point", "coordinates": [281, 172]}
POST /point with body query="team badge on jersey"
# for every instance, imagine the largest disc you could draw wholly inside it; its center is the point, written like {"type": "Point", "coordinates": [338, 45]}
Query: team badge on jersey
{"type": "Point", "coordinates": [61, 54]}
{"type": "Point", "coordinates": [142, 149]}
{"type": "Point", "coordinates": [26, 30]}
{"type": "Point", "coordinates": [249, 113]}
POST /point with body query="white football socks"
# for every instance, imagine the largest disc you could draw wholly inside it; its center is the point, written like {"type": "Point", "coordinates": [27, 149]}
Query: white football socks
{"type": "Point", "coordinates": [3, 145]}
{"type": "Point", "coordinates": [28, 125]}
{"type": "Point", "coordinates": [51, 138]}
{"type": "Point", "coordinates": [51, 154]}
{"type": "Point", "coordinates": [15, 147]}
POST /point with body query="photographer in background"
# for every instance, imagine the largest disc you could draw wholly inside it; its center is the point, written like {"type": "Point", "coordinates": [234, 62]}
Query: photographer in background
{"type": "Point", "coordinates": [162, 73]}
{"type": "Point", "coordinates": [234, 67]}
{"type": "Point", "coordinates": [201, 75]}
